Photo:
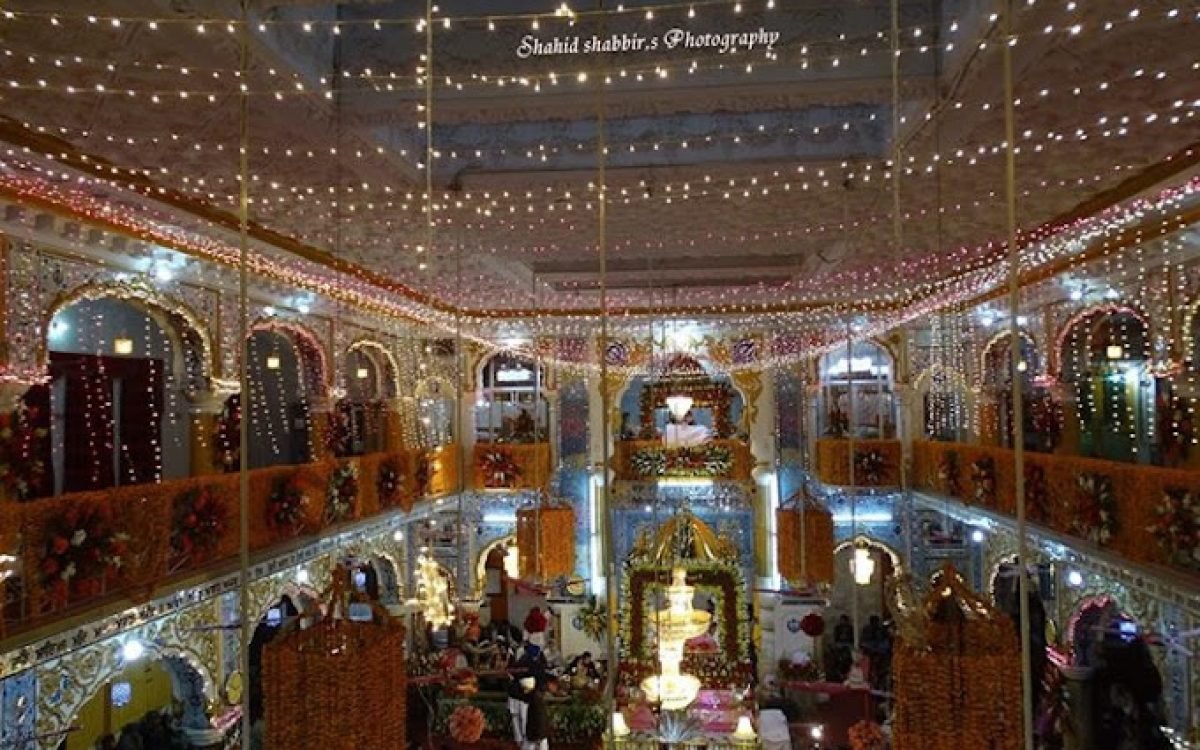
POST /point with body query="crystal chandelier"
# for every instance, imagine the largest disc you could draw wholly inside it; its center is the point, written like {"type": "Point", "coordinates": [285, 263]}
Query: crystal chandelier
{"type": "Point", "coordinates": [676, 625]}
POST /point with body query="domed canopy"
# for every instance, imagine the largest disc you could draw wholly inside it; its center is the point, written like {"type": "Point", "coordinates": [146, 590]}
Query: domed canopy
{"type": "Point", "coordinates": [683, 537]}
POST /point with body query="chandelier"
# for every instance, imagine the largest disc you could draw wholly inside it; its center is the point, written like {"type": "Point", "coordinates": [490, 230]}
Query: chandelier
{"type": "Point", "coordinates": [676, 625]}
{"type": "Point", "coordinates": [433, 592]}
{"type": "Point", "coordinates": [862, 565]}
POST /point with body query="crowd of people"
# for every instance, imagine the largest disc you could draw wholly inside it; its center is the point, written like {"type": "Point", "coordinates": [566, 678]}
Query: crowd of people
{"type": "Point", "coordinates": [871, 663]}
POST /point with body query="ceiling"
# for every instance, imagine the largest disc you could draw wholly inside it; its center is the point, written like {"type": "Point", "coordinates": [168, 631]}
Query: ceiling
{"type": "Point", "coordinates": [733, 179]}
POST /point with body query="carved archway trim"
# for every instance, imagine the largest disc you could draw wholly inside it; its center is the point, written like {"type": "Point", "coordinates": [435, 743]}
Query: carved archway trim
{"type": "Point", "coordinates": [392, 369]}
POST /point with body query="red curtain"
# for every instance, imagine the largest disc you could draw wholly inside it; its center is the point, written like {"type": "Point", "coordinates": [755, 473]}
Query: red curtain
{"type": "Point", "coordinates": [90, 418]}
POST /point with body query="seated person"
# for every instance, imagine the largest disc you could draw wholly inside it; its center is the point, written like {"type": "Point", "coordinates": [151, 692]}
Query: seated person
{"type": "Point", "coordinates": [583, 670]}
{"type": "Point", "coordinates": [685, 433]}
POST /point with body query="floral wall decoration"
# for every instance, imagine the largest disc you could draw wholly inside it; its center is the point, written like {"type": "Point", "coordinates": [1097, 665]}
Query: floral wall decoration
{"type": "Point", "coordinates": [200, 520]}
{"type": "Point", "coordinates": [424, 474]}
{"type": "Point", "coordinates": [341, 495]}
{"type": "Point", "coordinates": [390, 485]}
{"type": "Point", "coordinates": [82, 550]}
{"type": "Point", "coordinates": [286, 508]}
{"type": "Point", "coordinates": [1176, 527]}
{"type": "Point", "coordinates": [499, 468]}
{"type": "Point", "coordinates": [949, 473]}
{"type": "Point", "coordinates": [711, 460]}
{"type": "Point", "coordinates": [869, 467]}
{"type": "Point", "coordinates": [1094, 515]}
{"type": "Point", "coordinates": [983, 481]}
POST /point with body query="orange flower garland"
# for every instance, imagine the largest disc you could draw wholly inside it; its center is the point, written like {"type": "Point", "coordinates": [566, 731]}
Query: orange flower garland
{"type": "Point", "coordinates": [815, 565]}
{"type": "Point", "coordinates": [546, 541]}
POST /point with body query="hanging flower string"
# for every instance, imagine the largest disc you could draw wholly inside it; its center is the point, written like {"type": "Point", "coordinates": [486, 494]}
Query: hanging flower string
{"type": "Point", "coordinates": [1094, 515]}
{"type": "Point", "coordinates": [1176, 527]}
{"type": "Point", "coordinates": [341, 495]}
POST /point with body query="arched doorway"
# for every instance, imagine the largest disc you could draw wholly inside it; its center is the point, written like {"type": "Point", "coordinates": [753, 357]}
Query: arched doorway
{"type": "Point", "coordinates": [285, 374]}
{"type": "Point", "coordinates": [511, 405]}
{"type": "Point", "coordinates": [867, 372]}
{"type": "Point", "coordinates": [120, 369]}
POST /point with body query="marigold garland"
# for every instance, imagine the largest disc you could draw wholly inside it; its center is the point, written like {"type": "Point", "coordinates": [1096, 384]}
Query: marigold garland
{"type": "Point", "coordinates": [1176, 527]}
{"type": "Point", "coordinates": [200, 519]}
{"type": "Point", "coordinates": [546, 541]}
{"type": "Point", "coordinates": [467, 724]}
{"type": "Point", "coordinates": [1094, 516]}
{"type": "Point", "coordinates": [341, 496]}
{"type": "Point", "coordinates": [805, 558]}
{"type": "Point", "coordinates": [866, 735]}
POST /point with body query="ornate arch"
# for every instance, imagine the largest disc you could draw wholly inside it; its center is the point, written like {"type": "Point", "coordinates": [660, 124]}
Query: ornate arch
{"type": "Point", "coordinates": [869, 541]}
{"type": "Point", "coordinates": [1001, 337]}
{"type": "Point", "coordinates": [67, 684]}
{"type": "Point", "coordinates": [381, 352]}
{"type": "Point", "coordinates": [1107, 308]}
{"type": "Point", "coordinates": [312, 354]}
{"type": "Point", "coordinates": [177, 319]}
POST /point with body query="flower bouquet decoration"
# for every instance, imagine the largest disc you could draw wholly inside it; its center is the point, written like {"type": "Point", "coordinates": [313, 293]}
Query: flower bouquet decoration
{"type": "Point", "coordinates": [1176, 528]}
{"type": "Point", "coordinates": [467, 724]}
{"type": "Point", "coordinates": [390, 484]}
{"type": "Point", "coordinates": [199, 521]}
{"type": "Point", "coordinates": [983, 478]}
{"type": "Point", "coordinates": [869, 467]}
{"type": "Point", "coordinates": [499, 469]}
{"type": "Point", "coordinates": [649, 462]}
{"type": "Point", "coordinates": [285, 509]}
{"type": "Point", "coordinates": [82, 549]}
{"type": "Point", "coordinates": [1094, 516]}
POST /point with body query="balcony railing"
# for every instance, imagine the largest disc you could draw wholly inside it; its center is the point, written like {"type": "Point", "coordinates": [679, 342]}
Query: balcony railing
{"type": "Point", "coordinates": [1145, 514]}
{"type": "Point", "coordinates": [75, 550]}
{"type": "Point", "coordinates": [876, 462]}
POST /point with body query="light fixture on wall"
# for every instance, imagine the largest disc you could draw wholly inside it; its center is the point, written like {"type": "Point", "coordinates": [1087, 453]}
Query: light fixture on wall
{"type": "Point", "coordinates": [862, 565]}
{"type": "Point", "coordinates": [1022, 366]}
{"type": "Point", "coordinates": [362, 373]}
{"type": "Point", "coordinates": [132, 650]}
{"type": "Point", "coordinates": [1114, 351]}
{"type": "Point", "coordinates": [123, 345]}
{"type": "Point", "coordinates": [272, 361]}
{"type": "Point", "coordinates": [679, 405]}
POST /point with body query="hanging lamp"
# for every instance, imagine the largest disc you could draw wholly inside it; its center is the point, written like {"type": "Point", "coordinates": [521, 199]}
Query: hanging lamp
{"type": "Point", "coordinates": [862, 565]}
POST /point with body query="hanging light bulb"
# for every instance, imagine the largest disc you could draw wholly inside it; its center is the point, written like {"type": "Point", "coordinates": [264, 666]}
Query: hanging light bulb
{"type": "Point", "coordinates": [362, 373]}
{"type": "Point", "coordinates": [123, 345]}
{"type": "Point", "coordinates": [862, 565]}
{"type": "Point", "coordinates": [1114, 351]}
{"type": "Point", "coordinates": [272, 361]}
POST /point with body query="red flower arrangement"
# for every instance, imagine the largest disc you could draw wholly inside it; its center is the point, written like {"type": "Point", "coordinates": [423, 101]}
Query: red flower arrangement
{"type": "Point", "coordinates": [467, 724]}
{"type": "Point", "coordinates": [82, 549]}
{"type": "Point", "coordinates": [341, 496]}
{"type": "Point", "coordinates": [983, 477]}
{"type": "Point", "coordinates": [866, 735]}
{"type": "Point", "coordinates": [1094, 514]}
{"type": "Point", "coordinates": [285, 509]}
{"type": "Point", "coordinates": [1037, 494]}
{"type": "Point", "coordinates": [499, 469]}
{"type": "Point", "coordinates": [22, 470]}
{"type": "Point", "coordinates": [1176, 527]}
{"type": "Point", "coordinates": [390, 484]}
{"type": "Point", "coordinates": [869, 467]}
{"type": "Point", "coordinates": [200, 519]}
{"type": "Point", "coordinates": [227, 436]}
{"type": "Point", "coordinates": [339, 431]}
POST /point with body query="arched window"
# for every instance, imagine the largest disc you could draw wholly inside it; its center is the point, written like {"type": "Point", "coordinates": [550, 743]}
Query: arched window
{"type": "Point", "coordinates": [511, 407]}
{"type": "Point", "coordinates": [856, 392]}
{"type": "Point", "coordinates": [279, 405]}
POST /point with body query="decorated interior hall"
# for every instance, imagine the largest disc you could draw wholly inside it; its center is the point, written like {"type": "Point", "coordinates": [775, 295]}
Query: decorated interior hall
{"type": "Point", "coordinates": [605, 375]}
